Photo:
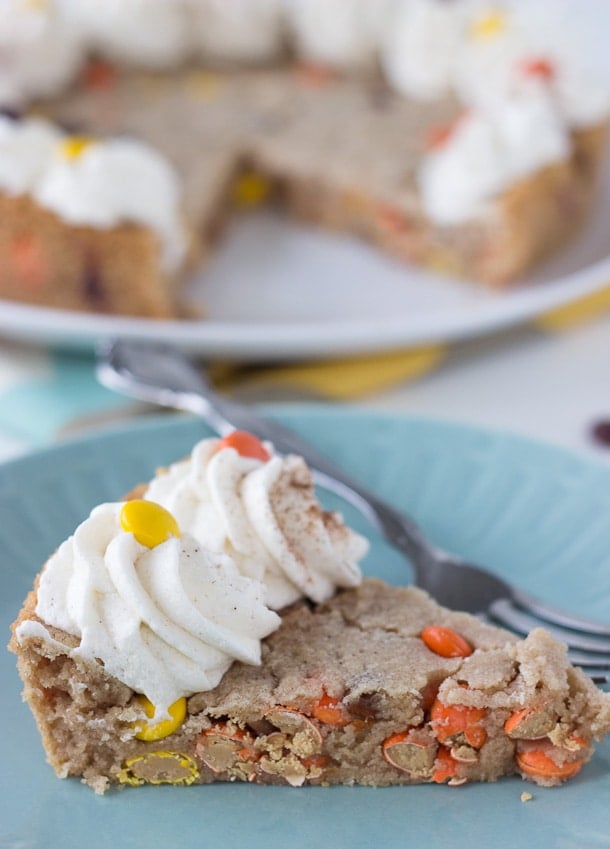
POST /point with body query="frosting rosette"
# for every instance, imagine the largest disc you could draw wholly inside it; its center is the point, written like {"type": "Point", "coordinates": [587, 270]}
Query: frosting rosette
{"type": "Point", "coordinates": [265, 515]}
{"type": "Point", "coordinates": [167, 621]}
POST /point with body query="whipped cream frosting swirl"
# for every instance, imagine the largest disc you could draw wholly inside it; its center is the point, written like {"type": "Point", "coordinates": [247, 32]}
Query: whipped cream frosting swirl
{"type": "Point", "coordinates": [166, 621]}
{"type": "Point", "coordinates": [265, 515]}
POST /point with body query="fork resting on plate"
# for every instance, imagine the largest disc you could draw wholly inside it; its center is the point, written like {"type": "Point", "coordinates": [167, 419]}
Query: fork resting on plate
{"type": "Point", "coordinates": [161, 375]}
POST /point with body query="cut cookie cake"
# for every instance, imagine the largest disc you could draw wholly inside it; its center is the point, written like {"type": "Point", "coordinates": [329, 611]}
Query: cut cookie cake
{"type": "Point", "coordinates": [461, 136]}
{"type": "Point", "coordinates": [215, 626]}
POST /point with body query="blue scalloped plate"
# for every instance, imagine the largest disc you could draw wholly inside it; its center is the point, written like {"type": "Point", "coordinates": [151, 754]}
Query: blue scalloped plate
{"type": "Point", "coordinates": [533, 513]}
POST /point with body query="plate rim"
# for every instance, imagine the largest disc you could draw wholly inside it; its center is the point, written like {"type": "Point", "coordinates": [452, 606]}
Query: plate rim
{"type": "Point", "coordinates": [280, 340]}
{"type": "Point", "coordinates": [172, 419]}
{"type": "Point", "coordinates": [132, 809]}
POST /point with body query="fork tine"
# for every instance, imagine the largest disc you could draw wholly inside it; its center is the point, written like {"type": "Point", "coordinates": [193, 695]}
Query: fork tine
{"type": "Point", "coordinates": [555, 616]}
{"type": "Point", "coordinates": [505, 612]}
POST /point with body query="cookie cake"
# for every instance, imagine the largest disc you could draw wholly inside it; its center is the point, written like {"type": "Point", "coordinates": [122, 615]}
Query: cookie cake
{"type": "Point", "coordinates": [465, 137]}
{"type": "Point", "coordinates": [215, 626]}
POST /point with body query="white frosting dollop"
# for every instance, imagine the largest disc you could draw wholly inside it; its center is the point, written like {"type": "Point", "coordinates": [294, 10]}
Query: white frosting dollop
{"type": "Point", "coordinates": [422, 46]}
{"type": "Point", "coordinates": [237, 30]}
{"type": "Point", "coordinates": [26, 148]}
{"type": "Point", "coordinates": [39, 52]}
{"type": "Point", "coordinates": [167, 621]}
{"type": "Point", "coordinates": [480, 52]}
{"type": "Point", "coordinates": [498, 65]}
{"type": "Point", "coordinates": [148, 33]}
{"type": "Point", "coordinates": [339, 33]}
{"type": "Point", "coordinates": [487, 151]}
{"type": "Point", "coordinates": [117, 181]}
{"type": "Point", "coordinates": [265, 515]}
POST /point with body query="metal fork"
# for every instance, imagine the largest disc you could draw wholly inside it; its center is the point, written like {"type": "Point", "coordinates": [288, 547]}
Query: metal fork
{"type": "Point", "coordinates": [162, 375]}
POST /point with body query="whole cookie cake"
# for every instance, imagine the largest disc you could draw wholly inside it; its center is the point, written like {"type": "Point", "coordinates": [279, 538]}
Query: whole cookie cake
{"type": "Point", "coordinates": [216, 626]}
{"type": "Point", "coordinates": [462, 136]}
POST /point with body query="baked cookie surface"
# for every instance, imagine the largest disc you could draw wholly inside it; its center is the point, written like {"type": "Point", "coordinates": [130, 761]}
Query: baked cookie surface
{"type": "Point", "coordinates": [353, 691]}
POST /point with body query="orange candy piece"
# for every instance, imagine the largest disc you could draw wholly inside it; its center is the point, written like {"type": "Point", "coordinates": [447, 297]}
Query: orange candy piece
{"type": "Point", "coordinates": [237, 735]}
{"type": "Point", "coordinates": [515, 719]}
{"type": "Point", "coordinates": [438, 136]}
{"type": "Point", "coordinates": [445, 642]}
{"type": "Point", "coordinates": [246, 445]}
{"type": "Point", "coordinates": [539, 764]}
{"type": "Point", "coordinates": [29, 262]}
{"type": "Point", "coordinates": [393, 219]}
{"type": "Point", "coordinates": [330, 711]}
{"type": "Point", "coordinates": [394, 739]}
{"type": "Point", "coordinates": [315, 74]}
{"type": "Point", "coordinates": [100, 75]}
{"type": "Point", "coordinates": [445, 767]}
{"type": "Point", "coordinates": [318, 761]}
{"type": "Point", "coordinates": [541, 68]}
{"type": "Point", "coordinates": [451, 720]}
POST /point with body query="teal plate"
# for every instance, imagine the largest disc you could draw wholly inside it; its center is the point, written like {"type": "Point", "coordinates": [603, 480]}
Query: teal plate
{"type": "Point", "coordinates": [530, 512]}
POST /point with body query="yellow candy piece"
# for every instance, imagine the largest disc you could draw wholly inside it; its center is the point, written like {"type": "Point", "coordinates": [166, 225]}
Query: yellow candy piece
{"type": "Point", "coordinates": [150, 523]}
{"type": "Point", "coordinates": [159, 768]}
{"type": "Point", "coordinates": [490, 25]}
{"type": "Point", "coordinates": [74, 146]}
{"type": "Point", "coordinates": [159, 730]}
{"type": "Point", "coordinates": [203, 85]}
{"type": "Point", "coordinates": [250, 189]}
